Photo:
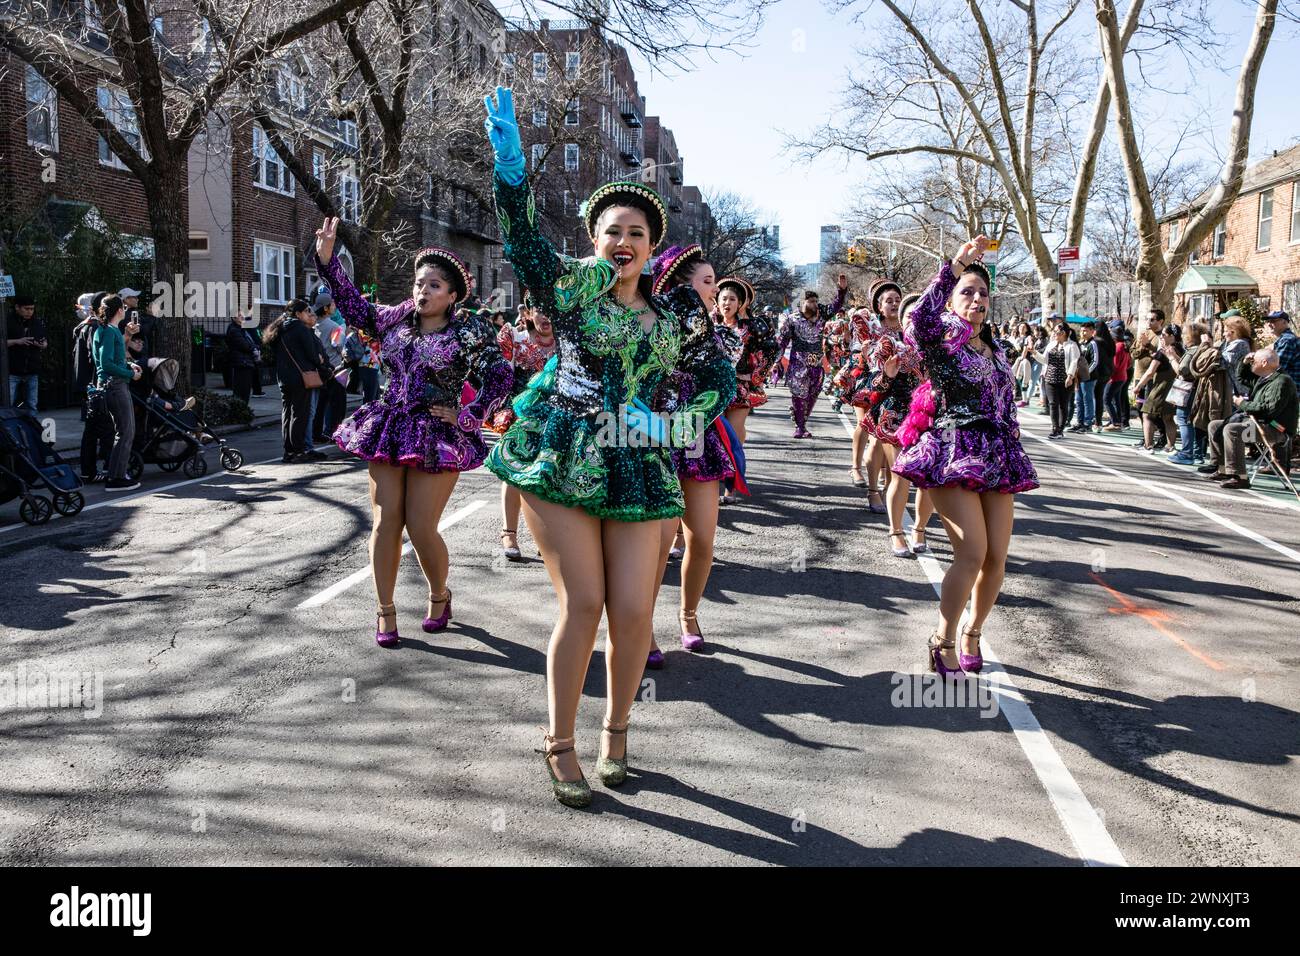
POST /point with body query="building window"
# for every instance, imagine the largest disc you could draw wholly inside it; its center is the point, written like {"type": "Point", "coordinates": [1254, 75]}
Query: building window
{"type": "Point", "coordinates": [199, 243]}
{"type": "Point", "coordinates": [1220, 240]}
{"type": "Point", "coordinates": [565, 249]}
{"type": "Point", "coordinates": [318, 166]}
{"type": "Point", "coordinates": [289, 88]}
{"type": "Point", "coordinates": [349, 196]}
{"type": "Point", "coordinates": [348, 132]}
{"type": "Point", "coordinates": [1295, 212]}
{"type": "Point", "coordinates": [539, 116]}
{"type": "Point", "coordinates": [117, 109]}
{"type": "Point", "coordinates": [42, 112]}
{"type": "Point", "coordinates": [508, 295]}
{"type": "Point", "coordinates": [508, 62]}
{"type": "Point", "coordinates": [1291, 297]}
{"type": "Point", "coordinates": [93, 21]}
{"type": "Point", "coordinates": [482, 58]}
{"type": "Point", "coordinates": [571, 157]}
{"type": "Point", "coordinates": [1265, 237]}
{"type": "Point", "coordinates": [539, 66]}
{"type": "Point", "coordinates": [539, 160]}
{"type": "Point", "coordinates": [567, 201]}
{"type": "Point", "coordinates": [1175, 230]}
{"type": "Point", "coordinates": [269, 170]}
{"type": "Point", "coordinates": [571, 63]}
{"type": "Point", "coordinates": [571, 112]}
{"type": "Point", "coordinates": [273, 269]}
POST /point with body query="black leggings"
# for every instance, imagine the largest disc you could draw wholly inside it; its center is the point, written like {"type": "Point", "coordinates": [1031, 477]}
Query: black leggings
{"type": "Point", "coordinates": [1058, 405]}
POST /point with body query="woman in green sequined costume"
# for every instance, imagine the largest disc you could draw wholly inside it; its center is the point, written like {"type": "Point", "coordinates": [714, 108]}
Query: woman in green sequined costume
{"type": "Point", "coordinates": [589, 456]}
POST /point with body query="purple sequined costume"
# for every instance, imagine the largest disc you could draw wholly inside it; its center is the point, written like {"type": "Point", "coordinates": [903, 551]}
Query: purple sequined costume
{"type": "Point", "coordinates": [974, 440]}
{"type": "Point", "coordinates": [424, 369]}
{"type": "Point", "coordinates": [707, 459]}
{"type": "Point", "coordinates": [803, 337]}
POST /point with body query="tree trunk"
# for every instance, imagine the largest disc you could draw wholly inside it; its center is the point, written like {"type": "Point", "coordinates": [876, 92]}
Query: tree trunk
{"type": "Point", "coordinates": [1047, 292]}
{"type": "Point", "coordinates": [168, 222]}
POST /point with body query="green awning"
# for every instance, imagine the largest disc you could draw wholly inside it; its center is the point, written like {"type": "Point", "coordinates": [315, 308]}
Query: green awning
{"type": "Point", "coordinates": [1215, 279]}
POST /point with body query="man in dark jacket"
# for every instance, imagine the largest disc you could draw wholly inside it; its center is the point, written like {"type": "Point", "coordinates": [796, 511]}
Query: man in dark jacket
{"type": "Point", "coordinates": [297, 350]}
{"type": "Point", "coordinates": [1272, 403]}
{"type": "Point", "coordinates": [244, 356]}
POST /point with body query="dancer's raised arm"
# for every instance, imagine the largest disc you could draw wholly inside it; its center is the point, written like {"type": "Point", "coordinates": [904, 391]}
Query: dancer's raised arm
{"type": "Point", "coordinates": [531, 253]}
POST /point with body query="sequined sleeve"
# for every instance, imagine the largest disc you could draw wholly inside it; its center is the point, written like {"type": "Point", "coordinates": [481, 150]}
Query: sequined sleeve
{"type": "Point", "coordinates": [926, 325]}
{"type": "Point", "coordinates": [703, 358]}
{"type": "Point", "coordinates": [359, 312]}
{"type": "Point", "coordinates": [506, 342]}
{"type": "Point", "coordinates": [535, 260]}
{"type": "Point", "coordinates": [489, 371]}
{"type": "Point", "coordinates": [837, 303]}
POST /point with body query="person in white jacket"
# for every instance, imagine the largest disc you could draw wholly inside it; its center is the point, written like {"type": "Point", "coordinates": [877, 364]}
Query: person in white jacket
{"type": "Point", "coordinates": [1060, 361]}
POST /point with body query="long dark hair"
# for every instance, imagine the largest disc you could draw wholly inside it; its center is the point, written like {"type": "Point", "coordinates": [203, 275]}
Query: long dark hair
{"type": "Point", "coordinates": [1102, 331]}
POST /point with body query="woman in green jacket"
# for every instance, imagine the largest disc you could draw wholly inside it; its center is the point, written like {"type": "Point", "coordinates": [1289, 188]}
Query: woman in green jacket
{"type": "Point", "coordinates": [113, 375]}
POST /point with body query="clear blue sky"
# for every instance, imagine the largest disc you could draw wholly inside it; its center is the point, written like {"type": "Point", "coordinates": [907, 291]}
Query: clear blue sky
{"type": "Point", "coordinates": [728, 116]}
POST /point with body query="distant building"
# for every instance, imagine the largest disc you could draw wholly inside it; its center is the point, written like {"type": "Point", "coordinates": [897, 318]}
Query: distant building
{"type": "Point", "coordinates": [1254, 251]}
{"type": "Point", "coordinates": [832, 243]}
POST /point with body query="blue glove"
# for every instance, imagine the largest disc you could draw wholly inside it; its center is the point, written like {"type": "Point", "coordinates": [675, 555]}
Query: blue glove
{"type": "Point", "coordinates": [642, 420]}
{"type": "Point", "coordinates": [503, 132]}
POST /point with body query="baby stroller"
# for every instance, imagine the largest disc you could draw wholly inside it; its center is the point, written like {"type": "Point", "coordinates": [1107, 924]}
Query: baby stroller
{"type": "Point", "coordinates": [27, 461]}
{"type": "Point", "coordinates": [170, 433]}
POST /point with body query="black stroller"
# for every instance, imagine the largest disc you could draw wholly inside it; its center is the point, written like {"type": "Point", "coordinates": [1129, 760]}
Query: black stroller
{"type": "Point", "coordinates": [27, 461]}
{"type": "Point", "coordinates": [173, 438]}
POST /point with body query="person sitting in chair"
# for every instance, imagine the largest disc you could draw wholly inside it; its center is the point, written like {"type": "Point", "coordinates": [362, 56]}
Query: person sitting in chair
{"type": "Point", "coordinates": [1272, 405]}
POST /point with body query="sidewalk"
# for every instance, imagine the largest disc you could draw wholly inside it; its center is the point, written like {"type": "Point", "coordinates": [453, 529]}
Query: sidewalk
{"type": "Point", "coordinates": [266, 410]}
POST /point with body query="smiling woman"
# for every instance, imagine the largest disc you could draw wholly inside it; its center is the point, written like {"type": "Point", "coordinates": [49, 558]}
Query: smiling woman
{"type": "Point", "coordinates": [595, 506]}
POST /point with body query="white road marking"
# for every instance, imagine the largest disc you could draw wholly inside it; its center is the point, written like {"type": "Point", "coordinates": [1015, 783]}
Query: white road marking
{"type": "Point", "coordinates": [1082, 823]}
{"type": "Point", "coordinates": [356, 577]}
{"type": "Point", "coordinates": [1189, 505]}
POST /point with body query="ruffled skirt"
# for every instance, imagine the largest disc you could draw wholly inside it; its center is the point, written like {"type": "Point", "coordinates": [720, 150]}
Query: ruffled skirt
{"type": "Point", "coordinates": [409, 436]}
{"type": "Point", "coordinates": [570, 460]}
{"type": "Point", "coordinates": [978, 457]}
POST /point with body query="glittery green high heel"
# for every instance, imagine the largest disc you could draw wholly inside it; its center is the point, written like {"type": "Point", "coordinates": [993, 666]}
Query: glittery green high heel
{"type": "Point", "coordinates": [577, 793]}
{"type": "Point", "coordinates": [613, 770]}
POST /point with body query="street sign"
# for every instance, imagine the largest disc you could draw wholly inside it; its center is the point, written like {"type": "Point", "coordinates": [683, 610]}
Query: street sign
{"type": "Point", "coordinates": [994, 245]}
{"type": "Point", "coordinates": [7, 287]}
{"type": "Point", "coordinates": [993, 274]}
{"type": "Point", "coordinates": [1067, 259]}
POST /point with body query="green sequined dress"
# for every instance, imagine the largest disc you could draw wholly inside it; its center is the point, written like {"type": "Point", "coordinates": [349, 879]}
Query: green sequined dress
{"type": "Point", "coordinates": [559, 446]}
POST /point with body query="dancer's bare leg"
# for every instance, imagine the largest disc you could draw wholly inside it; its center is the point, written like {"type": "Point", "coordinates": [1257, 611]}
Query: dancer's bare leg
{"type": "Point", "coordinates": [426, 498]}
{"type": "Point", "coordinates": [701, 521]}
{"type": "Point", "coordinates": [999, 512]}
{"type": "Point", "coordinates": [631, 558]}
{"type": "Point", "coordinates": [736, 418]}
{"type": "Point", "coordinates": [860, 439]}
{"type": "Point", "coordinates": [388, 507]}
{"type": "Point", "coordinates": [963, 516]}
{"type": "Point", "coordinates": [509, 515]}
{"type": "Point", "coordinates": [572, 549]}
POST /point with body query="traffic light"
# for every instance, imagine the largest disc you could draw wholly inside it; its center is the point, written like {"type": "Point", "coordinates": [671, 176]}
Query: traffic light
{"type": "Point", "coordinates": [856, 256]}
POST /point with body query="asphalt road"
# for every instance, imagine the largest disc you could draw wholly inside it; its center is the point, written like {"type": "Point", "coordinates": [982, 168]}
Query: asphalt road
{"type": "Point", "coordinates": [1144, 710]}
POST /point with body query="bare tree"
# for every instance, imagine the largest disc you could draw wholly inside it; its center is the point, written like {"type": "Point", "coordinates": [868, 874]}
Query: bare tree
{"type": "Point", "coordinates": [169, 93]}
{"type": "Point", "coordinates": [1159, 268]}
{"type": "Point", "coordinates": [739, 244]}
{"type": "Point", "coordinates": [996, 99]}
{"type": "Point", "coordinates": [666, 34]}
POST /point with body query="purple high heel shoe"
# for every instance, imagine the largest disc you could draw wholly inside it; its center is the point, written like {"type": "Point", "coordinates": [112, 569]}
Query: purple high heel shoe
{"type": "Point", "coordinates": [691, 642]}
{"type": "Point", "coordinates": [387, 638]}
{"type": "Point", "coordinates": [971, 663]}
{"type": "Point", "coordinates": [434, 624]}
{"type": "Point", "coordinates": [934, 655]}
{"type": "Point", "coordinates": [655, 660]}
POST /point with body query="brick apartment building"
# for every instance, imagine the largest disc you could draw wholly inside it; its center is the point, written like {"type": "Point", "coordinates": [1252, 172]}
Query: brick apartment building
{"type": "Point", "coordinates": [1255, 250]}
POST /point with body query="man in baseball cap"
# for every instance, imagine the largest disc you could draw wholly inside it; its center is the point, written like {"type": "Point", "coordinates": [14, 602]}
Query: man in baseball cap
{"type": "Point", "coordinates": [1287, 345]}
